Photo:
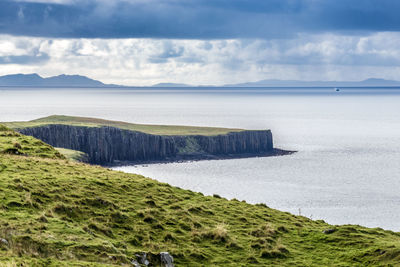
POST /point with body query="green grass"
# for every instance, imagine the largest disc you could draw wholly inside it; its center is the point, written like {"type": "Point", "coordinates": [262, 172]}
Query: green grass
{"type": "Point", "coordinates": [14, 143]}
{"type": "Point", "coordinates": [73, 155]}
{"type": "Point", "coordinates": [55, 212]}
{"type": "Point", "coordinates": [150, 129]}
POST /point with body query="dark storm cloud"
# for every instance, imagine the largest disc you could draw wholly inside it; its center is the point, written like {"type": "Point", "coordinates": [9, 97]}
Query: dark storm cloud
{"type": "Point", "coordinates": [196, 19]}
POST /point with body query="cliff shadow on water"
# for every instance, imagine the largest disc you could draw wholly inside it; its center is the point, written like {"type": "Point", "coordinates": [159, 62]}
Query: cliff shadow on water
{"type": "Point", "coordinates": [110, 145]}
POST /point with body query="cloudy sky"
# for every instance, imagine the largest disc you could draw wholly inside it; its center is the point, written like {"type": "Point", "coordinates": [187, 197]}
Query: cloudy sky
{"type": "Point", "coordinates": [143, 42]}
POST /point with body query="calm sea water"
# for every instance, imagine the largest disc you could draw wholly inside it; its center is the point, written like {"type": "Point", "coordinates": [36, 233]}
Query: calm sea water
{"type": "Point", "coordinates": [346, 171]}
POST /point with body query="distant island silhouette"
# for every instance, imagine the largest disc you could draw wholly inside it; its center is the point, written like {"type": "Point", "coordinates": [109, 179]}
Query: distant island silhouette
{"type": "Point", "coordinates": [63, 80]}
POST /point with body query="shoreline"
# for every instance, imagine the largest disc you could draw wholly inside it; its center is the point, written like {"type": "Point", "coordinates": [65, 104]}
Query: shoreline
{"type": "Point", "coordinates": [276, 152]}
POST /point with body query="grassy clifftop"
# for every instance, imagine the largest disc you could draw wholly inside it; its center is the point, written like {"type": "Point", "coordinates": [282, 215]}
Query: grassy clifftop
{"type": "Point", "coordinates": [57, 212]}
{"type": "Point", "coordinates": [145, 128]}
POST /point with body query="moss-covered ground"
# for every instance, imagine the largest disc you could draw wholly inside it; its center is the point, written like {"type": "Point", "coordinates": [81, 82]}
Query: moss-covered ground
{"type": "Point", "coordinates": [145, 128]}
{"type": "Point", "coordinates": [55, 212]}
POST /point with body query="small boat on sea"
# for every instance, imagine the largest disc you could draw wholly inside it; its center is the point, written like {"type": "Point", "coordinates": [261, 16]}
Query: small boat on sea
{"type": "Point", "coordinates": [337, 89]}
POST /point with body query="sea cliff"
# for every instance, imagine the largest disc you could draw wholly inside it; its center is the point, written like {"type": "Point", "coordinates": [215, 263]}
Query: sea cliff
{"type": "Point", "coordinates": [109, 145]}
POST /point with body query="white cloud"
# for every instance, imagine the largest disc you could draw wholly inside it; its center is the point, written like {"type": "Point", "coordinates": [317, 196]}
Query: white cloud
{"type": "Point", "coordinates": [149, 61]}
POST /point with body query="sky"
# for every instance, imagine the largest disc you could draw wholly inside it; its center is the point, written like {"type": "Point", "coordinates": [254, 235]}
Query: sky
{"type": "Point", "coordinates": [144, 42]}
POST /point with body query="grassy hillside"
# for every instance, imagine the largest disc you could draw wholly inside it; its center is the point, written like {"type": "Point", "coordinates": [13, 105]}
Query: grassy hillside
{"type": "Point", "coordinates": [55, 212]}
{"type": "Point", "coordinates": [151, 129]}
{"type": "Point", "coordinates": [12, 142]}
{"type": "Point", "coordinates": [74, 155]}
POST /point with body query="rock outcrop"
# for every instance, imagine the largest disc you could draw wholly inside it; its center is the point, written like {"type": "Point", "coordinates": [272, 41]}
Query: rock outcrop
{"type": "Point", "coordinates": [164, 259]}
{"type": "Point", "coordinates": [108, 145]}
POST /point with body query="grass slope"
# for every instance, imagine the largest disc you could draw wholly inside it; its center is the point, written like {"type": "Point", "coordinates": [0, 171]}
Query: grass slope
{"type": "Point", "coordinates": [150, 129]}
{"type": "Point", "coordinates": [73, 155]}
{"type": "Point", "coordinates": [15, 143]}
{"type": "Point", "coordinates": [55, 212]}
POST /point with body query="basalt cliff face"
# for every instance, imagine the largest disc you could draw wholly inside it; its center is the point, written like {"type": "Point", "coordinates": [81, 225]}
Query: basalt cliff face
{"type": "Point", "coordinates": [108, 145]}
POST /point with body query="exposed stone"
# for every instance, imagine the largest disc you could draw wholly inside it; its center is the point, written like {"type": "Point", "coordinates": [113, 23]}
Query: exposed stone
{"type": "Point", "coordinates": [135, 263]}
{"type": "Point", "coordinates": [142, 257]}
{"type": "Point", "coordinates": [329, 231]}
{"type": "Point", "coordinates": [166, 259]}
{"type": "Point", "coordinates": [106, 145]}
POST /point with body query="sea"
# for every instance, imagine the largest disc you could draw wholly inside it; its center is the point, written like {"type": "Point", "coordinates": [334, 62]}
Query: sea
{"type": "Point", "coordinates": [346, 170]}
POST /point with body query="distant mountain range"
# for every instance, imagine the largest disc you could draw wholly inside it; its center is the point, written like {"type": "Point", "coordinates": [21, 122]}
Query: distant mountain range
{"type": "Point", "coordinates": [372, 82]}
{"type": "Point", "coordinates": [34, 80]}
